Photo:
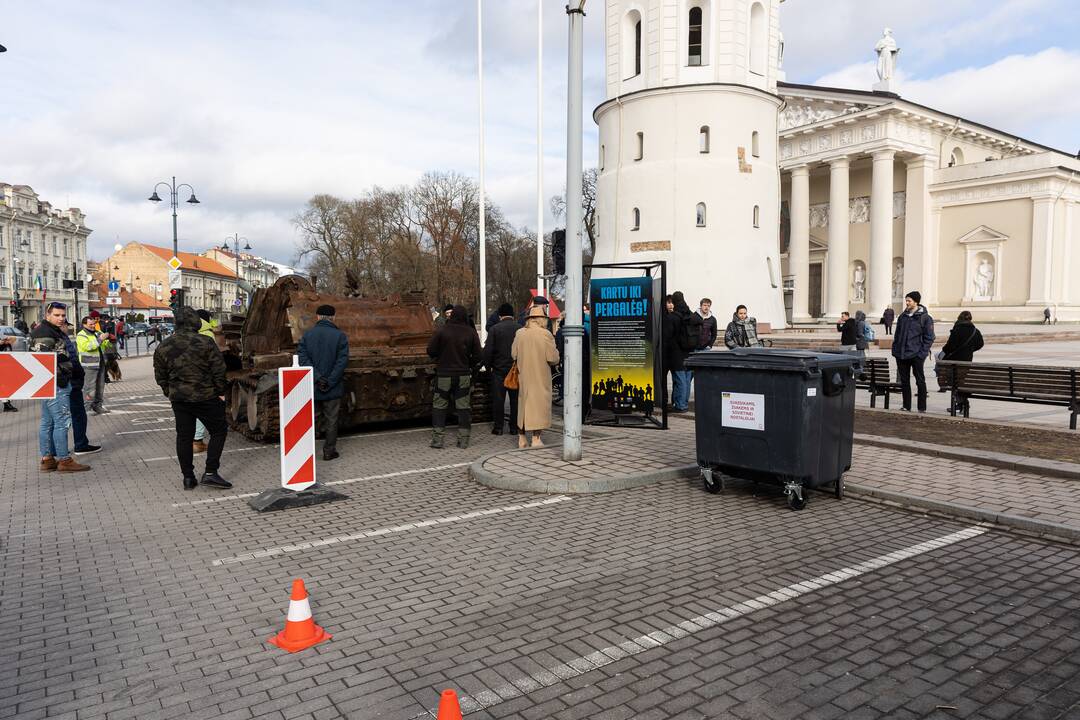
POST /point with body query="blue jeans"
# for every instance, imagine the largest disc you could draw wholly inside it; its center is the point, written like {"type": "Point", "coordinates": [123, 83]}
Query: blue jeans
{"type": "Point", "coordinates": [78, 418]}
{"type": "Point", "coordinates": [680, 388]}
{"type": "Point", "coordinates": [55, 422]}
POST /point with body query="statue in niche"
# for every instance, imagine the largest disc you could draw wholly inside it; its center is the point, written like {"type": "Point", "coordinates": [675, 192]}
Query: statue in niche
{"type": "Point", "coordinates": [984, 280]}
{"type": "Point", "coordinates": [859, 284]}
{"type": "Point", "coordinates": [898, 282]}
{"type": "Point", "coordinates": [887, 51]}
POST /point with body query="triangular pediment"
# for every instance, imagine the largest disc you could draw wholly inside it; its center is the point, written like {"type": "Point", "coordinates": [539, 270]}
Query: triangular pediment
{"type": "Point", "coordinates": [983, 234]}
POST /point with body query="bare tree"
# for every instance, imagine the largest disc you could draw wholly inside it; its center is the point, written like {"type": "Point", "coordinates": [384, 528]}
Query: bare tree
{"type": "Point", "coordinates": [588, 207]}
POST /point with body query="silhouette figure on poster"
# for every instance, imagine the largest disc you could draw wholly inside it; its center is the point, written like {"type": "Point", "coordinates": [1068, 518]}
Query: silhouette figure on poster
{"type": "Point", "coordinates": [622, 398]}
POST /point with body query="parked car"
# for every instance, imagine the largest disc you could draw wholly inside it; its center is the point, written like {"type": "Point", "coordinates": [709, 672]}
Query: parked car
{"type": "Point", "coordinates": [21, 343]}
{"type": "Point", "coordinates": [135, 329]}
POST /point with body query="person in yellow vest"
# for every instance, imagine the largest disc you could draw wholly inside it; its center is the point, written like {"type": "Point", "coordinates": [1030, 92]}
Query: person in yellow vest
{"type": "Point", "coordinates": [89, 342]}
{"type": "Point", "coordinates": [206, 328]}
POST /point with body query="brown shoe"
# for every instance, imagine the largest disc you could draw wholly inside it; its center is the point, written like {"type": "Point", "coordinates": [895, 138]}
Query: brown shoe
{"type": "Point", "coordinates": [48, 463]}
{"type": "Point", "coordinates": [198, 447]}
{"type": "Point", "coordinates": [69, 465]}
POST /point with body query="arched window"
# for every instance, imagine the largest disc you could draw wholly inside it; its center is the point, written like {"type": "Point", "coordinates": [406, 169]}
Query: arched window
{"type": "Point", "coordinates": [701, 214]}
{"type": "Point", "coordinates": [755, 147]}
{"type": "Point", "coordinates": [602, 153]}
{"type": "Point", "coordinates": [640, 146]}
{"type": "Point", "coordinates": [703, 139]}
{"type": "Point", "coordinates": [956, 158]}
{"type": "Point", "coordinates": [636, 219]}
{"type": "Point", "coordinates": [759, 31]}
{"type": "Point", "coordinates": [631, 45]}
{"type": "Point", "coordinates": [772, 273]}
{"type": "Point", "coordinates": [694, 38]}
{"type": "Point", "coordinates": [757, 216]}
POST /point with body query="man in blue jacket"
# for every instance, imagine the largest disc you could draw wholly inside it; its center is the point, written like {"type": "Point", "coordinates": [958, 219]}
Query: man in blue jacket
{"type": "Point", "coordinates": [326, 349]}
{"type": "Point", "coordinates": [911, 344]}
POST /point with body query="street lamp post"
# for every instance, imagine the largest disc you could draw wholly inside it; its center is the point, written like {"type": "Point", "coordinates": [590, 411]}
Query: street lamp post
{"type": "Point", "coordinates": [235, 237]}
{"type": "Point", "coordinates": [573, 331]}
{"type": "Point", "coordinates": [173, 188]}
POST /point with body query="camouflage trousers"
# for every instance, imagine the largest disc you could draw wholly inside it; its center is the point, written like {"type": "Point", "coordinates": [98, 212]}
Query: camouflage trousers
{"type": "Point", "coordinates": [456, 392]}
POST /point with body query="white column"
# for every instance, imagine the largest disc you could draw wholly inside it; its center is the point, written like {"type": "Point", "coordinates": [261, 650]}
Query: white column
{"type": "Point", "coordinates": [881, 231]}
{"type": "Point", "coordinates": [917, 235]}
{"type": "Point", "coordinates": [836, 295]}
{"type": "Point", "coordinates": [799, 250]}
{"type": "Point", "coordinates": [1042, 248]}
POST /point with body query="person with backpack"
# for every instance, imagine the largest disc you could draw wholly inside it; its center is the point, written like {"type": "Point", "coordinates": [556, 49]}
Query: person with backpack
{"type": "Point", "coordinates": [864, 333]}
{"type": "Point", "coordinates": [911, 345]}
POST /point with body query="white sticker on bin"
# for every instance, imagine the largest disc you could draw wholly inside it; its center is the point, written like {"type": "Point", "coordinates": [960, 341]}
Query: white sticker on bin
{"type": "Point", "coordinates": [811, 392]}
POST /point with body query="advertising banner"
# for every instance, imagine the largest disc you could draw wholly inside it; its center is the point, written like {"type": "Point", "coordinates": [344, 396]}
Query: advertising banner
{"type": "Point", "coordinates": [624, 339]}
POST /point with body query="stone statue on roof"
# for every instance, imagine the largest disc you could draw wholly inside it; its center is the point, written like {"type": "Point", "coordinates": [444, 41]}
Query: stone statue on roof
{"type": "Point", "coordinates": [887, 50]}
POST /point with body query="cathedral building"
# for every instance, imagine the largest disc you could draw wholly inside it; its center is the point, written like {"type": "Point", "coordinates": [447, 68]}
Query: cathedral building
{"type": "Point", "coordinates": [803, 201]}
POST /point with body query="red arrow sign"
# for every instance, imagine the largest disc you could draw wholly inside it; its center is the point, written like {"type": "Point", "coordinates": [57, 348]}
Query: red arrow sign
{"type": "Point", "coordinates": [27, 376]}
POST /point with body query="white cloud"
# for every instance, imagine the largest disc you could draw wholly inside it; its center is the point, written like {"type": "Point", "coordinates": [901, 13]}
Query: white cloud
{"type": "Point", "coordinates": [1035, 96]}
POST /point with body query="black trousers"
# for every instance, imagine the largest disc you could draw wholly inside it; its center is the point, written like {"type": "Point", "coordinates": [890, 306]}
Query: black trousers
{"type": "Point", "coordinates": [212, 414]}
{"type": "Point", "coordinates": [498, 401]}
{"type": "Point", "coordinates": [326, 412]}
{"type": "Point", "coordinates": [905, 369]}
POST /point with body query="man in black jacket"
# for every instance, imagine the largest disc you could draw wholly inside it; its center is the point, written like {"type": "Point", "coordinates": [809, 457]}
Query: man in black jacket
{"type": "Point", "coordinates": [708, 325]}
{"type": "Point", "coordinates": [325, 348]}
{"type": "Point", "coordinates": [456, 348]}
{"type": "Point", "coordinates": [497, 359]}
{"type": "Point", "coordinates": [49, 336]}
{"type": "Point", "coordinates": [848, 329]}
{"type": "Point", "coordinates": [190, 370]}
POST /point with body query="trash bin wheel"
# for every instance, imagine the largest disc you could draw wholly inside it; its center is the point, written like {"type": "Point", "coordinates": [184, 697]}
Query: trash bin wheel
{"type": "Point", "coordinates": [838, 490]}
{"type": "Point", "coordinates": [712, 483]}
{"type": "Point", "coordinates": [795, 502]}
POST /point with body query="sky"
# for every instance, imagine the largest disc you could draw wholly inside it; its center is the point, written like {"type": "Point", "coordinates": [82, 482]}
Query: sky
{"type": "Point", "coordinates": [260, 104]}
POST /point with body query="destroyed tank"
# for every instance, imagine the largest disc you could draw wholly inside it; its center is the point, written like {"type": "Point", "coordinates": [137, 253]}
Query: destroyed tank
{"type": "Point", "coordinates": [389, 375]}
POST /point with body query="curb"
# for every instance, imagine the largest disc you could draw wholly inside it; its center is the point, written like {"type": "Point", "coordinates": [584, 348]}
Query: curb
{"type": "Point", "coordinates": [1040, 528]}
{"type": "Point", "coordinates": [1004, 461]}
{"type": "Point", "coordinates": [574, 487]}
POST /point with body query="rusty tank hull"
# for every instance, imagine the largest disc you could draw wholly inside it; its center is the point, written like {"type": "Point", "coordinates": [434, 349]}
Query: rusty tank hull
{"type": "Point", "coordinates": [389, 375]}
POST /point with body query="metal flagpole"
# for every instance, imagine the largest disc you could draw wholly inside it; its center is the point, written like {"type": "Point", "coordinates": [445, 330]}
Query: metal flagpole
{"type": "Point", "coordinates": [540, 148]}
{"type": "Point", "coordinates": [483, 202]}
{"type": "Point", "coordinates": [573, 331]}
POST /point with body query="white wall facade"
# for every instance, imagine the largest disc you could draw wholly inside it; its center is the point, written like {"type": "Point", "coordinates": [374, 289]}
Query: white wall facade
{"type": "Point", "coordinates": [730, 258]}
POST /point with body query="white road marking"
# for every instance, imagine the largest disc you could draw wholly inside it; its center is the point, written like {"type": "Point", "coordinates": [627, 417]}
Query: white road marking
{"type": "Point", "coordinates": [270, 552]}
{"type": "Point", "coordinates": [560, 672]}
{"type": "Point", "coordinates": [230, 450]}
{"type": "Point", "coordinates": [399, 473]}
{"type": "Point", "coordinates": [136, 432]}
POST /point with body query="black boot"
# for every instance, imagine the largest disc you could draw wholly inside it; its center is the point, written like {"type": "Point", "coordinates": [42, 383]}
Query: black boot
{"type": "Point", "coordinates": [215, 480]}
{"type": "Point", "coordinates": [190, 483]}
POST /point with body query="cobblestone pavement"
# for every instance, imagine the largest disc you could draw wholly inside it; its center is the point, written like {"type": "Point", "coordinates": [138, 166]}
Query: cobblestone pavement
{"type": "Point", "coordinates": [122, 596]}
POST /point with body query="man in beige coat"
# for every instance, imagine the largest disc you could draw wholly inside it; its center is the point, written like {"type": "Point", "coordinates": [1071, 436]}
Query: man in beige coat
{"type": "Point", "coordinates": [535, 353]}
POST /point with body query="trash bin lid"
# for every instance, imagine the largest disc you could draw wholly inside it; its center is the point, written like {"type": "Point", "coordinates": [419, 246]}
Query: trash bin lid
{"type": "Point", "coordinates": [774, 359]}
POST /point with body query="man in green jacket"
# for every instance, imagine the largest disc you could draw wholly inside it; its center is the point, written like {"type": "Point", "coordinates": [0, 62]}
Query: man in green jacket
{"type": "Point", "coordinates": [206, 328]}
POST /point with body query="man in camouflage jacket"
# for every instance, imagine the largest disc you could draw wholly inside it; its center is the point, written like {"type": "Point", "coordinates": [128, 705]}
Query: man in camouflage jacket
{"type": "Point", "coordinates": [191, 372]}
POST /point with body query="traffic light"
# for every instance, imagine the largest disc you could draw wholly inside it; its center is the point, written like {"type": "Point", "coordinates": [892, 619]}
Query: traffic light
{"type": "Point", "coordinates": [558, 251]}
{"type": "Point", "coordinates": [176, 299]}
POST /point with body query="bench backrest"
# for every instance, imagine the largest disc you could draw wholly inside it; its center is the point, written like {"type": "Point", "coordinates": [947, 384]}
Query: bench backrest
{"type": "Point", "coordinates": [877, 371]}
{"type": "Point", "coordinates": [1044, 382]}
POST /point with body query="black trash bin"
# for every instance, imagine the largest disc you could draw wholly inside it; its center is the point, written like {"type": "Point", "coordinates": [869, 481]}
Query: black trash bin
{"type": "Point", "coordinates": [780, 416]}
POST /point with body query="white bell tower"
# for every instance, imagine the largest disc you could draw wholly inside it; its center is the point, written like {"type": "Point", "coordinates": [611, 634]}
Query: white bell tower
{"type": "Point", "coordinates": [688, 165]}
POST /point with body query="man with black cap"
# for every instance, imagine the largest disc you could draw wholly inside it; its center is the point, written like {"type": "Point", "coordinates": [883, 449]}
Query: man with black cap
{"type": "Point", "coordinates": [447, 311]}
{"type": "Point", "coordinates": [455, 347]}
{"type": "Point", "coordinates": [497, 359]}
{"type": "Point", "coordinates": [911, 344]}
{"type": "Point", "coordinates": [326, 349]}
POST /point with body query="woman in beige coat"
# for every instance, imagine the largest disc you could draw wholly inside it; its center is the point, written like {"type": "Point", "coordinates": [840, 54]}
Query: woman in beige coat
{"type": "Point", "coordinates": [535, 353]}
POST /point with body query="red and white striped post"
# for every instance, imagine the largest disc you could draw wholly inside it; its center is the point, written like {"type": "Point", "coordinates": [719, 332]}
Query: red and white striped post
{"type": "Point", "coordinates": [296, 401]}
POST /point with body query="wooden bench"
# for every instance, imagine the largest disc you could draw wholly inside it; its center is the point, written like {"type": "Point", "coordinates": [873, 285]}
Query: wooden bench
{"type": "Point", "coordinates": [1036, 384]}
{"type": "Point", "coordinates": [877, 378]}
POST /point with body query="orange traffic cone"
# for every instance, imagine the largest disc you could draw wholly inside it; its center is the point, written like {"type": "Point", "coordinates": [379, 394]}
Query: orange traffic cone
{"type": "Point", "coordinates": [448, 706]}
{"type": "Point", "coordinates": [300, 629]}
